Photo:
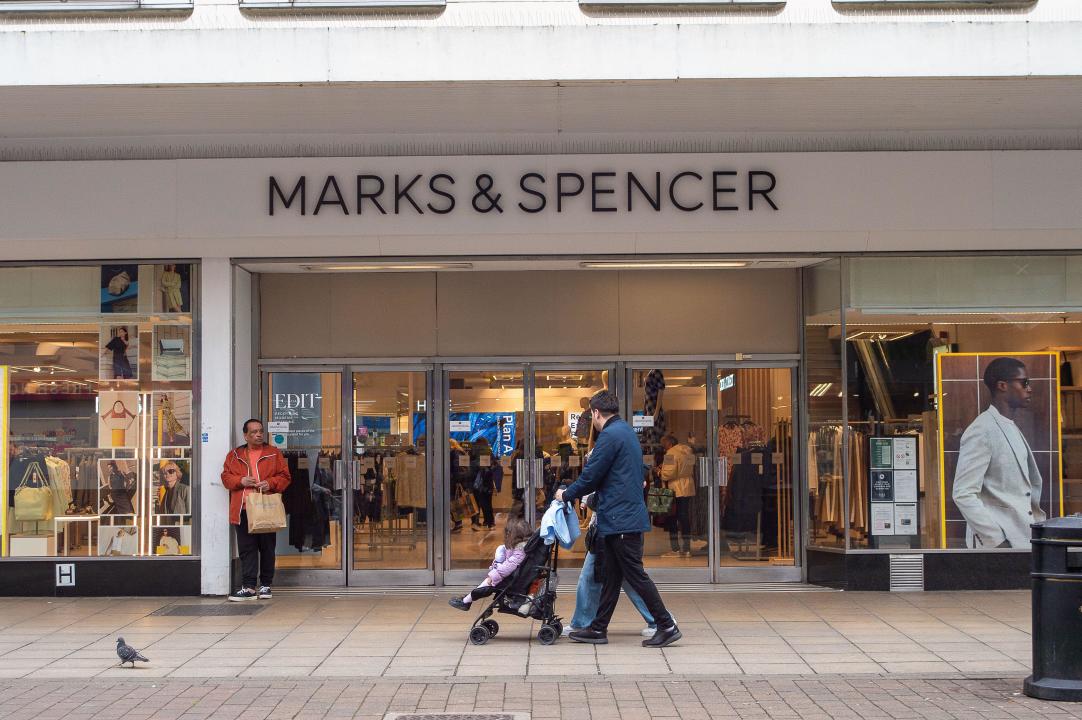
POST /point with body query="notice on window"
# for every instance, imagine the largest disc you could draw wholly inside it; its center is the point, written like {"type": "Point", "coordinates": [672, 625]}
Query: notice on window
{"type": "Point", "coordinates": [882, 453]}
{"type": "Point", "coordinates": [882, 518]}
{"type": "Point", "coordinates": [905, 453]}
{"type": "Point", "coordinates": [573, 461]}
{"type": "Point", "coordinates": [882, 486]}
{"type": "Point", "coordinates": [278, 426]}
{"type": "Point", "coordinates": [460, 426]}
{"type": "Point", "coordinates": [642, 421]}
{"type": "Point", "coordinates": [905, 486]}
{"type": "Point", "coordinates": [893, 485]}
{"type": "Point", "coordinates": [485, 460]}
{"type": "Point", "coordinates": [905, 518]}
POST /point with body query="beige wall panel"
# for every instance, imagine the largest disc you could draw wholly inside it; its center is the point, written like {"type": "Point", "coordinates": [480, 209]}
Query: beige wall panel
{"type": "Point", "coordinates": [294, 320]}
{"type": "Point", "coordinates": [685, 312]}
{"type": "Point", "coordinates": [528, 313]}
{"type": "Point", "coordinates": [383, 315]}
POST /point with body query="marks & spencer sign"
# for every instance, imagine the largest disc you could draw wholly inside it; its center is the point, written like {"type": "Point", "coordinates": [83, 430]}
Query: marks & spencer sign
{"type": "Point", "coordinates": [366, 193]}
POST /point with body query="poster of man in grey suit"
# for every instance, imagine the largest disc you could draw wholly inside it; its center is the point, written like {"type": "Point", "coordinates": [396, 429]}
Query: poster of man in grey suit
{"type": "Point", "coordinates": [997, 481]}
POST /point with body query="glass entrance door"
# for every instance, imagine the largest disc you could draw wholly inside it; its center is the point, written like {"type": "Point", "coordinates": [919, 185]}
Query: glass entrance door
{"type": "Point", "coordinates": [563, 435]}
{"type": "Point", "coordinates": [390, 478]}
{"type": "Point", "coordinates": [487, 468]}
{"type": "Point", "coordinates": [357, 508]}
{"type": "Point", "coordinates": [670, 410]}
{"type": "Point", "coordinates": [755, 479]}
{"type": "Point", "coordinates": [303, 411]}
{"type": "Point", "coordinates": [513, 436]}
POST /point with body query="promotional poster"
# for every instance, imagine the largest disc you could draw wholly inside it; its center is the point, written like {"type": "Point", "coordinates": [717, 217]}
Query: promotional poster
{"type": "Point", "coordinates": [1000, 455]}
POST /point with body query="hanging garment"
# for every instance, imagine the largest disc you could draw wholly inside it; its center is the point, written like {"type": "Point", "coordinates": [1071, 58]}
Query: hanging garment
{"type": "Point", "coordinates": [653, 385]}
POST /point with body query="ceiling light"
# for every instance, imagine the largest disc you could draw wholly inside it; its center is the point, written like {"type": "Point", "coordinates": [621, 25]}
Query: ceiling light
{"type": "Point", "coordinates": [390, 267]}
{"type": "Point", "coordinates": [880, 335]}
{"type": "Point", "coordinates": [662, 264]}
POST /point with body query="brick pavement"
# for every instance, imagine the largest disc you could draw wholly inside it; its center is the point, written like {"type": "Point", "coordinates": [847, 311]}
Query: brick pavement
{"type": "Point", "coordinates": [837, 698]}
{"type": "Point", "coordinates": [381, 636]}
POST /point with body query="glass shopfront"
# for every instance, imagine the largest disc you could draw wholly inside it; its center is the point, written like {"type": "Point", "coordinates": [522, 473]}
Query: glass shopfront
{"type": "Point", "coordinates": [405, 473]}
{"type": "Point", "coordinates": [99, 411]}
{"type": "Point", "coordinates": [943, 408]}
{"type": "Point", "coordinates": [364, 511]}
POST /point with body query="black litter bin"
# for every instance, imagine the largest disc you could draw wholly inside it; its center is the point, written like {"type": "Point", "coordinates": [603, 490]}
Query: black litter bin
{"type": "Point", "coordinates": [1057, 610]}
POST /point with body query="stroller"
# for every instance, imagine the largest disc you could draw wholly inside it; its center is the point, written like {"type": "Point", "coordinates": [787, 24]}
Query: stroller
{"type": "Point", "coordinates": [529, 592]}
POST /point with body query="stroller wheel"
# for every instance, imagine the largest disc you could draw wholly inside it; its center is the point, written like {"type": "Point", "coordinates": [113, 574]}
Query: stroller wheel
{"type": "Point", "coordinates": [547, 635]}
{"type": "Point", "coordinates": [479, 635]}
{"type": "Point", "coordinates": [493, 627]}
{"type": "Point", "coordinates": [559, 627]}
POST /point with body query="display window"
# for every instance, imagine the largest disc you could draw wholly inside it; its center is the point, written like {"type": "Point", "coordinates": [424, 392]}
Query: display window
{"type": "Point", "coordinates": [962, 421]}
{"type": "Point", "coordinates": [99, 412]}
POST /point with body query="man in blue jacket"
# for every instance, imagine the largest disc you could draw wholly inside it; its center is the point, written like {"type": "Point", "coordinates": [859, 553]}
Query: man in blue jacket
{"type": "Point", "coordinates": [615, 472]}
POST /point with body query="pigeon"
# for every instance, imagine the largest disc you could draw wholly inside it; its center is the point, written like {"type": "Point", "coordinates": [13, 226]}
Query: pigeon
{"type": "Point", "coordinates": [127, 653]}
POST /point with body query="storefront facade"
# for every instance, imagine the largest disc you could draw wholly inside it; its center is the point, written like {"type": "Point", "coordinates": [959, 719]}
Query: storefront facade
{"type": "Point", "coordinates": [407, 325]}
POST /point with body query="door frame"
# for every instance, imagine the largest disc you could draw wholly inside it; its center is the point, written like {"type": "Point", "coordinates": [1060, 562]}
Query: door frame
{"type": "Point", "coordinates": [402, 577]}
{"type": "Point", "coordinates": [437, 372]}
{"type": "Point", "coordinates": [315, 577]}
{"type": "Point", "coordinates": [714, 572]}
{"type": "Point", "coordinates": [705, 574]}
{"type": "Point", "coordinates": [769, 573]}
{"type": "Point", "coordinates": [442, 447]}
{"type": "Point", "coordinates": [345, 478]}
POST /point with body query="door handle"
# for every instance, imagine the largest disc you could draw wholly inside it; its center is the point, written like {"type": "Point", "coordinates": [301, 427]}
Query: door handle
{"type": "Point", "coordinates": [520, 474]}
{"type": "Point", "coordinates": [539, 473]}
{"type": "Point", "coordinates": [339, 474]}
{"type": "Point", "coordinates": [704, 472]}
{"type": "Point", "coordinates": [355, 473]}
{"type": "Point", "coordinates": [723, 472]}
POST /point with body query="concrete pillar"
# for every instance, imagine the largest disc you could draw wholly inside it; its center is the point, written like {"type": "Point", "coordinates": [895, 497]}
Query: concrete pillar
{"type": "Point", "coordinates": [216, 416]}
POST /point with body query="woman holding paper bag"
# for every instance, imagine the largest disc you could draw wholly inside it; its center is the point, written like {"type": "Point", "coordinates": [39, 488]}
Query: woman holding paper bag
{"type": "Point", "coordinates": [253, 468]}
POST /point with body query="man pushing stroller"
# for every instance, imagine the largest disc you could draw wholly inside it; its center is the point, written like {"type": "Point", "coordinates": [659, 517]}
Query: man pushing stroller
{"type": "Point", "coordinates": [615, 472]}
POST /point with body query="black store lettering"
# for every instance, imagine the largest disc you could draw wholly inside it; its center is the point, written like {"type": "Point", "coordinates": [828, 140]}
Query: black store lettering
{"type": "Point", "coordinates": [275, 189]}
{"type": "Point", "coordinates": [719, 189]}
{"type": "Point", "coordinates": [541, 200]}
{"type": "Point", "coordinates": [764, 191]}
{"type": "Point", "coordinates": [442, 193]}
{"type": "Point", "coordinates": [328, 185]}
{"type": "Point", "coordinates": [373, 196]}
{"type": "Point", "coordinates": [596, 190]}
{"type": "Point", "coordinates": [403, 192]}
{"type": "Point", "coordinates": [672, 191]}
{"type": "Point", "coordinates": [561, 193]}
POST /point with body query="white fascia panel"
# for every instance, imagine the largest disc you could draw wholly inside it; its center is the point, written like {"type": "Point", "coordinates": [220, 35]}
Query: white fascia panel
{"type": "Point", "coordinates": [92, 6]}
{"type": "Point", "coordinates": [313, 54]}
{"type": "Point", "coordinates": [283, 5]}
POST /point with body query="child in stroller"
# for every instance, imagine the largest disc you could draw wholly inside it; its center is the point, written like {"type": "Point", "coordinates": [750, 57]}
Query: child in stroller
{"type": "Point", "coordinates": [523, 579]}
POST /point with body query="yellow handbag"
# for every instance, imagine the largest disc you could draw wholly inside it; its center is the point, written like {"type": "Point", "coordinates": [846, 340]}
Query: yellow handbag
{"type": "Point", "coordinates": [33, 500]}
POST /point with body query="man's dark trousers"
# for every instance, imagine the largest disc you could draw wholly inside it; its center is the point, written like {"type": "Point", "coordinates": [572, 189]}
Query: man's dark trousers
{"type": "Point", "coordinates": [623, 561]}
{"type": "Point", "coordinates": [256, 555]}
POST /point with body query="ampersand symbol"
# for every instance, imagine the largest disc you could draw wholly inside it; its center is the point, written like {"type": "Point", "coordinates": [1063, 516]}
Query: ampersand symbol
{"type": "Point", "coordinates": [484, 184]}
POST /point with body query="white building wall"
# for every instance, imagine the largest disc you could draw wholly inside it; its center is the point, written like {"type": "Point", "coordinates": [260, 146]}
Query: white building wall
{"type": "Point", "coordinates": [511, 41]}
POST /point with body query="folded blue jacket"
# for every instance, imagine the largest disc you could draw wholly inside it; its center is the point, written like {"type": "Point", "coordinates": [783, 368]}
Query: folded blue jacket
{"type": "Point", "coordinates": [560, 523]}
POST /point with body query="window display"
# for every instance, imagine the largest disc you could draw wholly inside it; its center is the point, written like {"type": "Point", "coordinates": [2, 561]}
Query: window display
{"type": "Point", "coordinates": [974, 377]}
{"type": "Point", "coordinates": [99, 410]}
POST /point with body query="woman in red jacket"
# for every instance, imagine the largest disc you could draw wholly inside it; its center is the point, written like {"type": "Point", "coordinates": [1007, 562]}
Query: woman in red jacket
{"type": "Point", "coordinates": [253, 467]}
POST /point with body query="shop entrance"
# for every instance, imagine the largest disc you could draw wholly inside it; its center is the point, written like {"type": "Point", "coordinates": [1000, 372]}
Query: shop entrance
{"type": "Point", "coordinates": [405, 475]}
